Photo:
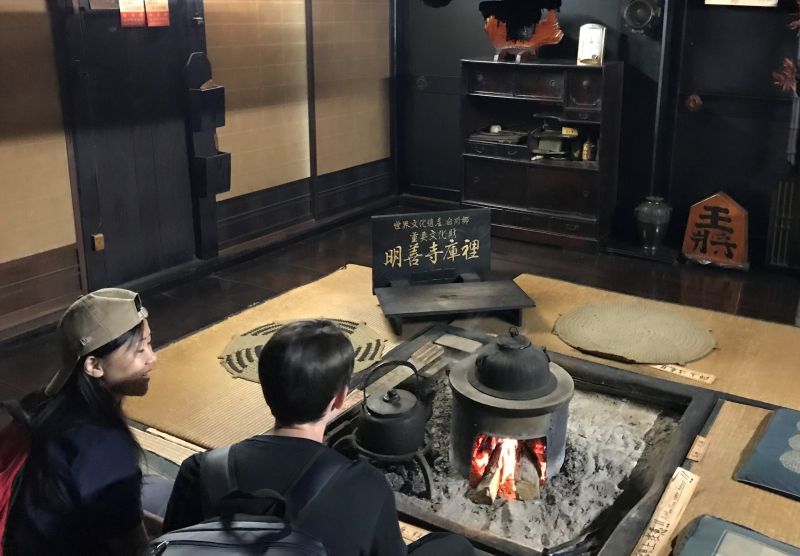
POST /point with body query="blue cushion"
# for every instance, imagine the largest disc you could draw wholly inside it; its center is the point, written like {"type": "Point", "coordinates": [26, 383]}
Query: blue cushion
{"type": "Point", "coordinates": [711, 536]}
{"type": "Point", "coordinates": [774, 464]}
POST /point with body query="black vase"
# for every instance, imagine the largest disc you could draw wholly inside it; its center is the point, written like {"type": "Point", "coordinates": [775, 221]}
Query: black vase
{"type": "Point", "coordinates": [652, 218]}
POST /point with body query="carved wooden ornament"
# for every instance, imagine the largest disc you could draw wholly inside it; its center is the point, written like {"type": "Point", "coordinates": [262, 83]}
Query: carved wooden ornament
{"type": "Point", "coordinates": [547, 32]}
{"type": "Point", "coordinates": [716, 232]}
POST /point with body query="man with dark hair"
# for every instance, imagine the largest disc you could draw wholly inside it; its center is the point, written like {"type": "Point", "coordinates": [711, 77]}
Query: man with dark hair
{"type": "Point", "coordinates": [304, 371]}
{"type": "Point", "coordinates": [302, 368]}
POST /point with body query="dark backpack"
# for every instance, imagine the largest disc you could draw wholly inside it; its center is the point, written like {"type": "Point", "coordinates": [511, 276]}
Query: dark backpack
{"type": "Point", "coordinates": [251, 523]}
{"type": "Point", "coordinates": [14, 448]}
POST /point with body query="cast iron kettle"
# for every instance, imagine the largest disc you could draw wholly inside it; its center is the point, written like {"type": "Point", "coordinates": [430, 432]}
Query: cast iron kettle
{"type": "Point", "coordinates": [517, 370]}
{"type": "Point", "coordinates": [391, 424]}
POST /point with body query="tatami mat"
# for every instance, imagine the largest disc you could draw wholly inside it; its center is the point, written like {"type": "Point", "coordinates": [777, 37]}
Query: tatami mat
{"type": "Point", "coordinates": [192, 397]}
{"type": "Point", "coordinates": [754, 359]}
{"type": "Point", "coordinates": [735, 430]}
{"type": "Point", "coordinates": [168, 447]}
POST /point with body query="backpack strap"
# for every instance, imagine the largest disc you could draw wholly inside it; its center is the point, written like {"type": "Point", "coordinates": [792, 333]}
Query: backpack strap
{"type": "Point", "coordinates": [311, 481]}
{"type": "Point", "coordinates": [17, 412]}
{"type": "Point", "coordinates": [218, 481]}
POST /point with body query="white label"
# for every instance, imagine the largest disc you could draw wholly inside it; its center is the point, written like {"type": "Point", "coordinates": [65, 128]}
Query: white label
{"type": "Point", "coordinates": [698, 449]}
{"type": "Point", "coordinates": [131, 13]}
{"type": "Point", "coordinates": [686, 373]}
{"type": "Point", "coordinates": [656, 538]}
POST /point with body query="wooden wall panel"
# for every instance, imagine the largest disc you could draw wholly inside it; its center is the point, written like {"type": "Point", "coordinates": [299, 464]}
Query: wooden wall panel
{"type": "Point", "coordinates": [262, 212]}
{"type": "Point", "coordinates": [34, 176]}
{"type": "Point", "coordinates": [37, 287]}
{"type": "Point", "coordinates": [340, 191]}
{"type": "Point", "coordinates": [351, 75]}
{"type": "Point", "coordinates": [257, 50]}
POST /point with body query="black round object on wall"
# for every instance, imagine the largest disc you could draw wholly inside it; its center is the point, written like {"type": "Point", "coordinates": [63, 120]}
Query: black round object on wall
{"type": "Point", "coordinates": [641, 16]}
{"type": "Point", "coordinates": [436, 3]}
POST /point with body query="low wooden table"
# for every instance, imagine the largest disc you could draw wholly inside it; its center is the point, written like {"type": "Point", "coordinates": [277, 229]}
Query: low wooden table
{"type": "Point", "coordinates": [502, 298]}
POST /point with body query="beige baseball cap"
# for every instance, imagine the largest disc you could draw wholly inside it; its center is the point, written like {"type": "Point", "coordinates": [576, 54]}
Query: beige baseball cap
{"type": "Point", "coordinates": [91, 322]}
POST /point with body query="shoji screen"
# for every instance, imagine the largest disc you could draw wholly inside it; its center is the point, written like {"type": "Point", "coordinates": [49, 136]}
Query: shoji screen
{"type": "Point", "coordinates": [257, 50]}
{"type": "Point", "coordinates": [351, 71]}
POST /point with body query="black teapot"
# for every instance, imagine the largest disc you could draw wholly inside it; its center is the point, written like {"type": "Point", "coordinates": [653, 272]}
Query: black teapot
{"type": "Point", "coordinates": [393, 423]}
{"type": "Point", "coordinates": [516, 370]}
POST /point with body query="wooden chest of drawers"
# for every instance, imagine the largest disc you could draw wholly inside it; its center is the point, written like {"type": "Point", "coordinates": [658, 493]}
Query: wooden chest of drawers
{"type": "Point", "coordinates": [565, 202]}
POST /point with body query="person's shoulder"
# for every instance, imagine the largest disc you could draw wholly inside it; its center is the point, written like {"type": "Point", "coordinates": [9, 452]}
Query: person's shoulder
{"type": "Point", "coordinates": [90, 437]}
{"type": "Point", "coordinates": [190, 467]}
{"type": "Point", "coordinates": [365, 475]}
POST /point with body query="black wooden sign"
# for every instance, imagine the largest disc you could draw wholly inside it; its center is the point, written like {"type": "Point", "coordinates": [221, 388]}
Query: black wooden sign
{"type": "Point", "coordinates": [429, 247]}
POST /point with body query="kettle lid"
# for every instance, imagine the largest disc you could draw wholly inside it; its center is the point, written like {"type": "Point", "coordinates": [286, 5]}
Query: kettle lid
{"type": "Point", "coordinates": [391, 403]}
{"type": "Point", "coordinates": [516, 369]}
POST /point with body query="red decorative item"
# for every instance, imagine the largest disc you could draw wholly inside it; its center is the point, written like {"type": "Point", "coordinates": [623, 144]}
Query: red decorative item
{"type": "Point", "coordinates": [517, 29]}
{"type": "Point", "coordinates": [786, 78]}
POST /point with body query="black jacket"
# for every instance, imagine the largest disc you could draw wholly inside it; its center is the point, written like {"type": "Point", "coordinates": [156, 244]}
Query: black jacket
{"type": "Point", "coordinates": [355, 514]}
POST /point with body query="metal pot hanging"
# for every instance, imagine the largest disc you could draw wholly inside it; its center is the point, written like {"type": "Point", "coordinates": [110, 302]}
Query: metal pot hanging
{"type": "Point", "coordinates": [391, 424]}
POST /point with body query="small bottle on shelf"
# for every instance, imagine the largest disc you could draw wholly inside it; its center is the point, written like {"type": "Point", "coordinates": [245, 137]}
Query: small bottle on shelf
{"type": "Point", "coordinates": [589, 151]}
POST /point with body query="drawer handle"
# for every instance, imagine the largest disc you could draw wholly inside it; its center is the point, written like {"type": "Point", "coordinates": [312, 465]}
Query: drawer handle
{"type": "Point", "coordinates": [571, 227]}
{"type": "Point", "coordinates": [585, 84]}
{"type": "Point", "coordinates": [511, 152]}
{"type": "Point", "coordinates": [552, 83]}
{"type": "Point", "coordinates": [479, 77]}
{"type": "Point", "coordinates": [476, 179]}
{"type": "Point", "coordinates": [583, 116]}
{"type": "Point", "coordinates": [585, 193]}
{"type": "Point", "coordinates": [479, 149]}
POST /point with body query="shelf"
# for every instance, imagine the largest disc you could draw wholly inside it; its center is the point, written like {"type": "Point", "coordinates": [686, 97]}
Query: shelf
{"type": "Point", "coordinates": [559, 202]}
{"type": "Point", "coordinates": [564, 120]}
{"type": "Point", "coordinates": [562, 214]}
{"type": "Point", "coordinates": [553, 63]}
{"type": "Point", "coordinates": [537, 100]}
{"type": "Point", "coordinates": [590, 166]}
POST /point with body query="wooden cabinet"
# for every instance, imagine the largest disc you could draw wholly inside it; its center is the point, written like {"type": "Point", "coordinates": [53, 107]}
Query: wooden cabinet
{"type": "Point", "coordinates": [564, 201]}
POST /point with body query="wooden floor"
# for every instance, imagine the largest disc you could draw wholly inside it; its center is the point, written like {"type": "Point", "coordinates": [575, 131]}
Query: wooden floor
{"type": "Point", "coordinates": [200, 301]}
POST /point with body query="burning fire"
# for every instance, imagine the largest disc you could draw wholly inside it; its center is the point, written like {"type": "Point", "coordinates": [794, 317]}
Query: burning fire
{"type": "Point", "coordinates": [513, 469]}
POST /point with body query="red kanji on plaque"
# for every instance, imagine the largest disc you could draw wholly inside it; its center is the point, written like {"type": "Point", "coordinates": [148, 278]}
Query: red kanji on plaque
{"type": "Point", "coordinates": [157, 13]}
{"type": "Point", "coordinates": [717, 232]}
{"type": "Point", "coordinates": [131, 13]}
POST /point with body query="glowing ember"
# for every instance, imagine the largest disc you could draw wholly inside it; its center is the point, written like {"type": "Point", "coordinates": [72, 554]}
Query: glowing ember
{"type": "Point", "coordinates": [513, 469]}
{"type": "Point", "coordinates": [538, 447]}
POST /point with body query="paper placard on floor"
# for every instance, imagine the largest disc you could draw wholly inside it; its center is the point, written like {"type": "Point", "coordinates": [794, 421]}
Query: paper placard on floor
{"type": "Point", "coordinates": [686, 373]}
{"type": "Point", "coordinates": [698, 449]}
{"type": "Point", "coordinates": [411, 533]}
{"type": "Point", "coordinates": [157, 13]}
{"type": "Point", "coordinates": [131, 13]}
{"type": "Point", "coordinates": [655, 541]}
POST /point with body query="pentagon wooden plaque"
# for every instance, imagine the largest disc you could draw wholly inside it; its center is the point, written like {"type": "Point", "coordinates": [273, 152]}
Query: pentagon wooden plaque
{"type": "Point", "coordinates": [716, 232]}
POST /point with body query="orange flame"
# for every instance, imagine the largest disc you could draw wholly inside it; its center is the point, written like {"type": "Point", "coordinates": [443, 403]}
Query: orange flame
{"type": "Point", "coordinates": [507, 454]}
{"type": "Point", "coordinates": [508, 468]}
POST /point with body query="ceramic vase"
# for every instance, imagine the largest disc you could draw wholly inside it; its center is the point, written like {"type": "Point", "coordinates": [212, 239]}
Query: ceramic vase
{"type": "Point", "coordinates": [652, 218]}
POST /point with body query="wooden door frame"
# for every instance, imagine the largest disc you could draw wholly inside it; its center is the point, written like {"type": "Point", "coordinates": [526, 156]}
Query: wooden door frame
{"type": "Point", "coordinates": [66, 31]}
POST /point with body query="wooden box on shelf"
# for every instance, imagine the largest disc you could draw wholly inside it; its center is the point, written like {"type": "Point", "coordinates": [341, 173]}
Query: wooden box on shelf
{"type": "Point", "coordinates": [566, 199]}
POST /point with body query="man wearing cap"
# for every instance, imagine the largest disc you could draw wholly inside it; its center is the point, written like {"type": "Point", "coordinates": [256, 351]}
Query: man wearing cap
{"type": "Point", "coordinates": [81, 491]}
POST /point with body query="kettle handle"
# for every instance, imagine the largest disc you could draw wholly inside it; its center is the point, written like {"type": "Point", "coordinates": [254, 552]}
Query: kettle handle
{"type": "Point", "coordinates": [386, 364]}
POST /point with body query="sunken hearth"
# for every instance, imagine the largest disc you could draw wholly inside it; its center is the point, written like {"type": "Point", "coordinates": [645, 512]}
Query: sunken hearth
{"type": "Point", "coordinates": [518, 457]}
{"type": "Point", "coordinates": [606, 438]}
